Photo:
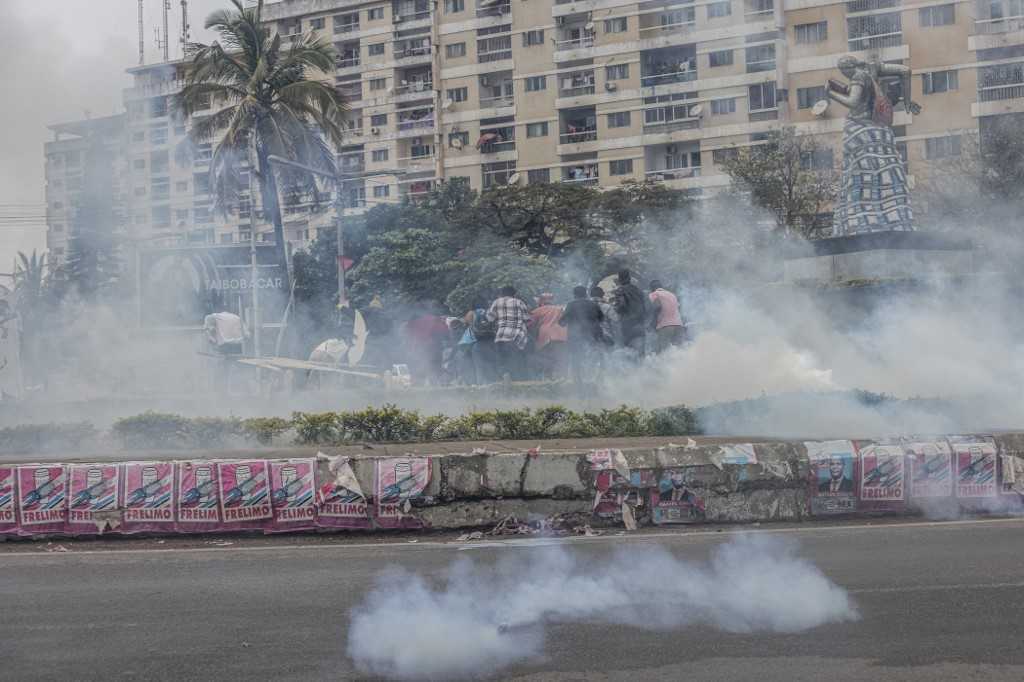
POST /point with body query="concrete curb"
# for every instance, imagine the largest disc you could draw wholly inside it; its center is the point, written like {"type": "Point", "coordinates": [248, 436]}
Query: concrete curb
{"type": "Point", "coordinates": [690, 482]}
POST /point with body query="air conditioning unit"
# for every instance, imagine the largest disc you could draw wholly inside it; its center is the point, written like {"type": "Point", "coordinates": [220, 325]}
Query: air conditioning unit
{"type": "Point", "coordinates": [375, 131]}
{"type": "Point", "coordinates": [611, 87]}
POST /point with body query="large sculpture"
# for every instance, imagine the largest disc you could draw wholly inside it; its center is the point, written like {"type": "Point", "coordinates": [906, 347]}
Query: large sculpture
{"type": "Point", "coordinates": [874, 196]}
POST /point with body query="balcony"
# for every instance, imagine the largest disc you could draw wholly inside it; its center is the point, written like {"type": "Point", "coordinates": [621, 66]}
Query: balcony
{"type": "Point", "coordinates": [1005, 81]}
{"type": "Point", "coordinates": [416, 119]}
{"type": "Point", "coordinates": [413, 49]}
{"type": "Point", "coordinates": [576, 84]}
{"type": "Point", "coordinates": [493, 49]}
{"type": "Point", "coordinates": [410, 10]}
{"type": "Point", "coordinates": [495, 140]}
{"type": "Point", "coordinates": [668, 65]}
{"type": "Point", "coordinates": [493, 8]}
{"type": "Point", "coordinates": [497, 101]}
{"type": "Point", "coordinates": [673, 174]}
{"type": "Point", "coordinates": [586, 174]}
{"type": "Point", "coordinates": [347, 27]}
{"type": "Point", "coordinates": [875, 31]}
{"type": "Point", "coordinates": [758, 10]}
{"type": "Point", "coordinates": [346, 61]}
{"type": "Point", "coordinates": [674, 21]}
{"type": "Point", "coordinates": [876, 42]}
{"type": "Point", "coordinates": [575, 38]}
{"type": "Point", "coordinates": [668, 119]}
{"type": "Point", "coordinates": [574, 135]}
{"type": "Point", "coordinates": [997, 25]}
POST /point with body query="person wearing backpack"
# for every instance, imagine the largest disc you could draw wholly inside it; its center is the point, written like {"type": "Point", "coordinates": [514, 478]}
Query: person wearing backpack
{"type": "Point", "coordinates": [477, 345]}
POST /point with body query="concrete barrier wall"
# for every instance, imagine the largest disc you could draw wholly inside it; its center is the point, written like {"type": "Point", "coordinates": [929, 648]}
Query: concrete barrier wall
{"type": "Point", "coordinates": [676, 483]}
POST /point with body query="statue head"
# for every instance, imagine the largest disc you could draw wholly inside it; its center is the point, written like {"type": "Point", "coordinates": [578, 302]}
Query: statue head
{"type": "Point", "coordinates": [848, 65]}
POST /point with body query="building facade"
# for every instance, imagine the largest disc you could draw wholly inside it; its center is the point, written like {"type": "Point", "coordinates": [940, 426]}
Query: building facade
{"type": "Point", "coordinates": [588, 91]}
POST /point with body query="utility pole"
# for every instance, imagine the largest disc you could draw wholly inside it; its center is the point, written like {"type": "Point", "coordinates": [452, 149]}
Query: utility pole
{"type": "Point", "coordinates": [254, 161]}
{"type": "Point", "coordinates": [185, 36]}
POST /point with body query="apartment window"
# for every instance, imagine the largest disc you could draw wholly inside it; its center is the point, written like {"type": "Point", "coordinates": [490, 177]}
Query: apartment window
{"type": "Point", "coordinates": [139, 164]}
{"type": "Point", "coordinates": [537, 129]}
{"type": "Point", "coordinates": [463, 139]}
{"type": "Point", "coordinates": [942, 147]}
{"type": "Point", "coordinates": [158, 135]}
{"type": "Point", "coordinates": [620, 167]}
{"type": "Point", "coordinates": [454, 6]}
{"type": "Point", "coordinates": [941, 15]}
{"type": "Point", "coordinates": [139, 136]}
{"type": "Point", "coordinates": [723, 106]}
{"type": "Point", "coordinates": [374, 50]}
{"type": "Point", "coordinates": [375, 14]}
{"type": "Point", "coordinates": [455, 50]}
{"type": "Point", "coordinates": [497, 173]}
{"type": "Point", "coordinates": [760, 58]}
{"type": "Point", "coordinates": [616, 25]}
{"type": "Point", "coordinates": [620, 119]}
{"type": "Point", "coordinates": [720, 58]}
{"type": "Point", "coordinates": [536, 83]}
{"type": "Point", "coordinates": [535, 37]}
{"type": "Point", "coordinates": [616, 72]}
{"type": "Point", "coordinates": [181, 186]}
{"type": "Point", "coordinates": [807, 34]}
{"type": "Point", "coordinates": [940, 81]}
{"type": "Point", "coordinates": [819, 159]}
{"type": "Point", "coordinates": [317, 24]}
{"type": "Point", "coordinates": [539, 176]}
{"type": "Point", "coordinates": [378, 83]}
{"type": "Point", "coordinates": [756, 7]}
{"type": "Point", "coordinates": [808, 97]}
{"type": "Point", "coordinates": [379, 155]}
{"type": "Point", "coordinates": [382, 191]}
{"type": "Point", "coordinates": [161, 216]}
{"type": "Point", "coordinates": [458, 94]}
{"type": "Point", "coordinates": [875, 31]}
{"type": "Point", "coordinates": [719, 9]}
{"type": "Point", "coordinates": [762, 96]}
{"type": "Point", "coordinates": [379, 120]}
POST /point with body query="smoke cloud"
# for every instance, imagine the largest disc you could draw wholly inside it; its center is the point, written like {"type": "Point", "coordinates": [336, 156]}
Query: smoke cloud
{"type": "Point", "coordinates": [488, 617]}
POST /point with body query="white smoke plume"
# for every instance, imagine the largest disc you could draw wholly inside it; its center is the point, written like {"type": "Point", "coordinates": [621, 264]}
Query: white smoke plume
{"type": "Point", "coordinates": [486, 618]}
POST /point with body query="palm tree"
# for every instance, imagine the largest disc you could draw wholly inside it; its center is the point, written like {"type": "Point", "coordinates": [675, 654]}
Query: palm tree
{"type": "Point", "coordinates": [29, 275]}
{"type": "Point", "coordinates": [268, 100]}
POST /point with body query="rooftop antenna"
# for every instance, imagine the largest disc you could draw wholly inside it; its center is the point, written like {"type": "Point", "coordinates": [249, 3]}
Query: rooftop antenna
{"type": "Point", "coordinates": [167, 43]}
{"type": "Point", "coordinates": [184, 26]}
{"type": "Point", "coordinates": [142, 36]}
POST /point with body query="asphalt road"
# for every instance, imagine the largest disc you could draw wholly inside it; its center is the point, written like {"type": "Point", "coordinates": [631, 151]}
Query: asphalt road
{"type": "Point", "coordinates": [939, 601]}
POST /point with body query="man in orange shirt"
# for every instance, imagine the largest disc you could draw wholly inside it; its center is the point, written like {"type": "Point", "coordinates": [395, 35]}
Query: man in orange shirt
{"type": "Point", "coordinates": [549, 337]}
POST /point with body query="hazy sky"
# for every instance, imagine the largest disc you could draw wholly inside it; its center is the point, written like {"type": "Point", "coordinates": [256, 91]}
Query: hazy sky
{"type": "Point", "coordinates": [58, 60]}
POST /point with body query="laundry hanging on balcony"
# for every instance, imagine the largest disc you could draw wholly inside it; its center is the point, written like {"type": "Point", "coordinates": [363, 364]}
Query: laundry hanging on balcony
{"type": "Point", "coordinates": [486, 138]}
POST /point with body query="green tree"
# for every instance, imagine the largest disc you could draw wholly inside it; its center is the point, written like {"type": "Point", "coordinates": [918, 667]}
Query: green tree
{"type": "Point", "coordinates": [268, 99]}
{"type": "Point", "coordinates": [791, 176]}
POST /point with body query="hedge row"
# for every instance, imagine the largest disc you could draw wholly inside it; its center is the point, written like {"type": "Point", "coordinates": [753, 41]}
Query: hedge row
{"type": "Point", "coordinates": [155, 430]}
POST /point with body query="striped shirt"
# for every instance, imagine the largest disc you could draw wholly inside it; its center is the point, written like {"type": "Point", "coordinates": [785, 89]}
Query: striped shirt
{"type": "Point", "coordinates": [511, 315]}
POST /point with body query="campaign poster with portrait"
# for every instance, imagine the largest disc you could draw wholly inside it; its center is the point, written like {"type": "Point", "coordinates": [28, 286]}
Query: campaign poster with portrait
{"type": "Point", "coordinates": [245, 493]}
{"type": "Point", "coordinates": [342, 503]}
{"type": "Point", "coordinates": [931, 468]}
{"type": "Point", "coordinates": [292, 493]}
{"type": "Point", "coordinates": [882, 476]}
{"type": "Point", "coordinates": [198, 496]}
{"type": "Point", "coordinates": [675, 501]}
{"type": "Point", "coordinates": [92, 491]}
{"type": "Point", "coordinates": [8, 518]}
{"type": "Point", "coordinates": [833, 477]}
{"type": "Point", "coordinates": [398, 481]}
{"type": "Point", "coordinates": [42, 498]}
{"type": "Point", "coordinates": [147, 497]}
{"type": "Point", "coordinates": [975, 468]}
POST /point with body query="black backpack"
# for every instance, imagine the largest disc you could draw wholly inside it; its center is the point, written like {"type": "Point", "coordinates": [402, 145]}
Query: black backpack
{"type": "Point", "coordinates": [483, 329]}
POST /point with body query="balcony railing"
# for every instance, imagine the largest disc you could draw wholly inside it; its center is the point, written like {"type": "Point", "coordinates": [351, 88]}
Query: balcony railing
{"type": "Point", "coordinates": [346, 28]}
{"type": "Point", "coordinates": [346, 62]}
{"type": "Point", "coordinates": [497, 102]}
{"type": "Point", "coordinates": [877, 42]}
{"type": "Point", "coordinates": [577, 87]}
{"type": "Point", "coordinates": [579, 135]}
{"type": "Point", "coordinates": [588, 177]}
{"type": "Point", "coordinates": [414, 86]}
{"type": "Point", "coordinates": [994, 93]}
{"type": "Point", "coordinates": [416, 124]}
{"type": "Point", "coordinates": [492, 8]}
{"type": "Point", "coordinates": [413, 51]}
{"type": "Point", "coordinates": [674, 173]}
{"type": "Point", "coordinates": [583, 41]}
{"type": "Point", "coordinates": [669, 77]}
{"type": "Point", "coordinates": [675, 27]}
{"type": "Point", "coordinates": [495, 147]}
{"type": "Point", "coordinates": [1000, 25]}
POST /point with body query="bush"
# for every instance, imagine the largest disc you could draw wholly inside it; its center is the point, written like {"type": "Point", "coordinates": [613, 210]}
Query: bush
{"type": "Point", "coordinates": [387, 423]}
{"type": "Point", "coordinates": [316, 429]}
{"type": "Point", "coordinates": [153, 430]}
{"type": "Point", "coordinates": [27, 438]}
{"type": "Point", "coordinates": [265, 429]}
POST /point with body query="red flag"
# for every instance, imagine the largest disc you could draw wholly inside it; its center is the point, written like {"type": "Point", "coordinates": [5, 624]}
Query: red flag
{"type": "Point", "coordinates": [345, 262]}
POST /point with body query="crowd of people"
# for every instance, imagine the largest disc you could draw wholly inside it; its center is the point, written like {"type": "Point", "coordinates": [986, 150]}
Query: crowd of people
{"type": "Point", "coordinates": [577, 339]}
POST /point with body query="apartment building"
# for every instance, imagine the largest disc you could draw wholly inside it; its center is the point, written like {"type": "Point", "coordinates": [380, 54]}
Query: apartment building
{"type": "Point", "coordinates": [589, 91]}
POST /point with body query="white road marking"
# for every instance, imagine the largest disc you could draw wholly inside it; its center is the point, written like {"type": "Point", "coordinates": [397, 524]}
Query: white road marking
{"type": "Point", "coordinates": [515, 542]}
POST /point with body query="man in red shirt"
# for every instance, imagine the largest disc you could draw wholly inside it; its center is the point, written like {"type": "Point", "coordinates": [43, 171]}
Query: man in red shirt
{"type": "Point", "coordinates": [549, 337]}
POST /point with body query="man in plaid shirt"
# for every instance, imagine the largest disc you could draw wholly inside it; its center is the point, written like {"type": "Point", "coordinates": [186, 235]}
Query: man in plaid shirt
{"type": "Point", "coordinates": [511, 315]}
